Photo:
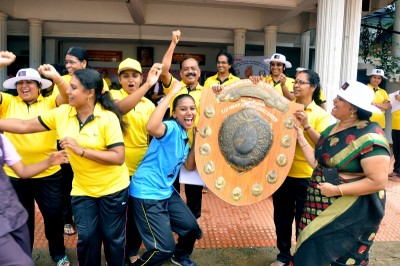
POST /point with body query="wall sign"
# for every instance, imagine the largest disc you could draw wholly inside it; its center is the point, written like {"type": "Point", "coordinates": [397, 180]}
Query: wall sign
{"type": "Point", "coordinates": [104, 56]}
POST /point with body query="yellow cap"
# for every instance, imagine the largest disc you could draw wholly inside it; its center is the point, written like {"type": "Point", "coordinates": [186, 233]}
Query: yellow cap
{"type": "Point", "coordinates": [129, 63]}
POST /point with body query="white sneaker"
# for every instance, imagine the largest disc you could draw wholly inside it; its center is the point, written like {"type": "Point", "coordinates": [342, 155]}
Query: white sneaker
{"type": "Point", "coordinates": [277, 263]}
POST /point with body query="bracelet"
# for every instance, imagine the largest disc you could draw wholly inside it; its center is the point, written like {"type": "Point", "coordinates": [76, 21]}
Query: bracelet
{"type": "Point", "coordinates": [341, 192]}
{"type": "Point", "coordinates": [83, 152]}
{"type": "Point", "coordinates": [58, 85]}
{"type": "Point", "coordinates": [302, 146]}
{"type": "Point", "coordinates": [307, 128]}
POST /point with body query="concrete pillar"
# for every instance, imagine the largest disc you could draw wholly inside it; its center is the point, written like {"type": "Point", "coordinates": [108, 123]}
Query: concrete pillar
{"type": "Point", "coordinates": [393, 86]}
{"type": "Point", "coordinates": [3, 44]}
{"type": "Point", "coordinates": [305, 50]}
{"type": "Point", "coordinates": [239, 42]}
{"type": "Point", "coordinates": [230, 49]}
{"type": "Point", "coordinates": [270, 36]}
{"type": "Point", "coordinates": [351, 40]}
{"type": "Point", "coordinates": [330, 16]}
{"type": "Point", "coordinates": [51, 51]}
{"type": "Point", "coordinates": [35, 42]}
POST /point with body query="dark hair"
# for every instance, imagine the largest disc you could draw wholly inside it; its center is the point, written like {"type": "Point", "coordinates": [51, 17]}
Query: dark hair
{"type": "Point", "coordinates": [79, 53]}
{"type": "Point", "coordinates": [178, 98]}
{"type": "Point", "coordinates": [314, 80]}
{"type": "Point", "coordinates": [230, 60]}
{"type": "Point", "coordinates": [105, 71]}
{"type": "Point", "coordinates": [91, 79]}
{"type": "Point", "coordinates": [187, 58]}
{"type": "Point", "coordinates": [363, 114]}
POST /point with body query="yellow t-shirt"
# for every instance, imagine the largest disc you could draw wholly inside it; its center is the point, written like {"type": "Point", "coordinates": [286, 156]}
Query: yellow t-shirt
{"type": "Point", "coordinates": [33, 147]}
{"type": "Point", "coordinates": [196, 94]}
{"type": "Point", "coordinates": [67, 79]}
{"type": "Point", "coordinates": [214, 80]}
{"type": "Point", "coordinates": [289, 84]}
{"type": "Point", "coordinates": [380, 96]}
{"type": "Point", "coordinates": [318, 119]}
{"type": "Point", "coordinates": [396, 120]}
{"type": "Point", "coordinates": [136, 137]}
{"type": "Point", "coordinates": [101, 133]}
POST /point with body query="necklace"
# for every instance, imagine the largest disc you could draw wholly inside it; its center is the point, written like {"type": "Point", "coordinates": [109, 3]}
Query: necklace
{"type": "Point", "coordinates": [339, 126]}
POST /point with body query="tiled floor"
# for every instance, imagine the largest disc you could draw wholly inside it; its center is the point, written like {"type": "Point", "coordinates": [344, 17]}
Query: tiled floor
{"type": "Point", "coordinates": [225, 225]}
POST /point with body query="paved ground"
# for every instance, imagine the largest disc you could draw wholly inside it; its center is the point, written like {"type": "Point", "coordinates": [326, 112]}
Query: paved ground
{"type": "Point", "coordinates": [245, 235]}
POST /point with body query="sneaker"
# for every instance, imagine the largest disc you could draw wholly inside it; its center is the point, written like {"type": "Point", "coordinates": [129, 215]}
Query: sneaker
{"type": "Point", "coordinates": [182, 262]}
{"type": "Point", "coordinates": [199, 234]}
{"type": "Point", "coordinates": [63, 262]}
{"type": "Point", "coordinates": [278, 263]}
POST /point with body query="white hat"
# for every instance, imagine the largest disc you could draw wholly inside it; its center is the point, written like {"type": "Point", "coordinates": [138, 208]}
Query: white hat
{"type": "Point", "coordinates": [26, 74]}
{"type": "Point", "coordinates": [300, 69]}
{"type": "Point", "coordinates": [359, 95]}
{"type": "Point", "coordinates": [278, 58]}
{"type": "Point", "coordinates": [378, 72]}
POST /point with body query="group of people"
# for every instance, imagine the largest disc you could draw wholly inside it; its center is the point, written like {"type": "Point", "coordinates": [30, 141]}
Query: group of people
{"type": "Point", "coordinates": [332, 165]}
{"type": "Point", "coordinates": [117, 177]}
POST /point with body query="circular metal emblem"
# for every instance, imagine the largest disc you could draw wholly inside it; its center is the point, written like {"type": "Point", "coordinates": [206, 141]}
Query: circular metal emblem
{"type": "Point", "coordinates": [220, 183]}
{"type": "Point", "coordinates": [244, 139]}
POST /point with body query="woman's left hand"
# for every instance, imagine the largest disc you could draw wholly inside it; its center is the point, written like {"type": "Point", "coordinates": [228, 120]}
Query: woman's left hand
{"type": "Point", "coordinates": [71, 144]}
{"type": "Point", "coordinates": [328, 190]}
{"type": "Point", "coordinates": [154, 74]}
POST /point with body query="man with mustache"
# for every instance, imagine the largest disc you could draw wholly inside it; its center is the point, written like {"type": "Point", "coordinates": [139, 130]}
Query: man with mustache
{"type": "Point", "coordinates": [190, 74]}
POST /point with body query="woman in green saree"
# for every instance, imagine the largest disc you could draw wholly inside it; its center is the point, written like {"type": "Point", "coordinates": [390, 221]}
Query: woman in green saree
{"type": "Point", "coordinates": [346, 198]}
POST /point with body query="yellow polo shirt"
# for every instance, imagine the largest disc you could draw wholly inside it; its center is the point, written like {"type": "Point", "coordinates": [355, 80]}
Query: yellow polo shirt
{"type": "Point", "coordinates": [396, 120]}
{"type": "Point", "coordinates": [318, 119]}
{"type": "Point", "coordinates": [136, 137]}
{"type": "Point", "coordinates": [101, 133]}
{"type": "Point", "coordinates": [33, 147]}
{"type": "Point", "coordinates": [67, 79]}
{"type": "Point", "coordinates": [196, 94]}
{"type": "Point", "coordinates": [289, 84]}
{"type": "Point", "coordinates": [214, 80]}
{"type": "Point", "coordinates": [380, 96]}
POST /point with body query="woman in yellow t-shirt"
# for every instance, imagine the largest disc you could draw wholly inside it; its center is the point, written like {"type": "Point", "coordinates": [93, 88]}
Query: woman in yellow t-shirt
{"type": "Point", "coordinates": [224, 76]}
{"type": "Point", "coordinates": [91, 131]}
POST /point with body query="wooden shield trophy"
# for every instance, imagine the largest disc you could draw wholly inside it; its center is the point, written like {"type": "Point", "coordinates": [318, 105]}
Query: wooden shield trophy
{"type": "Point", "coordinates": [246, 141]}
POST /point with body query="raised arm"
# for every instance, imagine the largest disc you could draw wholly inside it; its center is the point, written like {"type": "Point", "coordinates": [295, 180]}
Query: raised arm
{"type": "Point", "coordinates": [308, 151]}
{"type": "Point", "coordinates": [20, 126]}
{"type": "Point", "coordinates": [155, 126]}
{"type": "Point", "coordinates": [50, 72]}
{"type": "Point", "coordinates": [167, 59]}
{"type": "Point", "coordinates": [129, 102]}
{"type": "Point", "coordinates": [6, 59]}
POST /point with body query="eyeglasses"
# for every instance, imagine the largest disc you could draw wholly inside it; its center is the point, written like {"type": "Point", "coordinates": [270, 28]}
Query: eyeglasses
{"type": "Point", "coordinates": [70, 62]}
{"type": "Point", "coordinates": [300, 82]}
{"type": "Point", "coordinates": [222, 63]}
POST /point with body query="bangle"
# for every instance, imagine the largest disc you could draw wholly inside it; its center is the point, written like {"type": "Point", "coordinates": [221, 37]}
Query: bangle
{"type": "Point", "coordinates": [341, 192]}
{"type": "Point", "coordinates": [83, 152]}
{"type": "Point", "coordinates": [307, 128]}
{"type": "Point", "coordinates": [302, 146]}
{"type": "Point", "coordinates": [58, 85]}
